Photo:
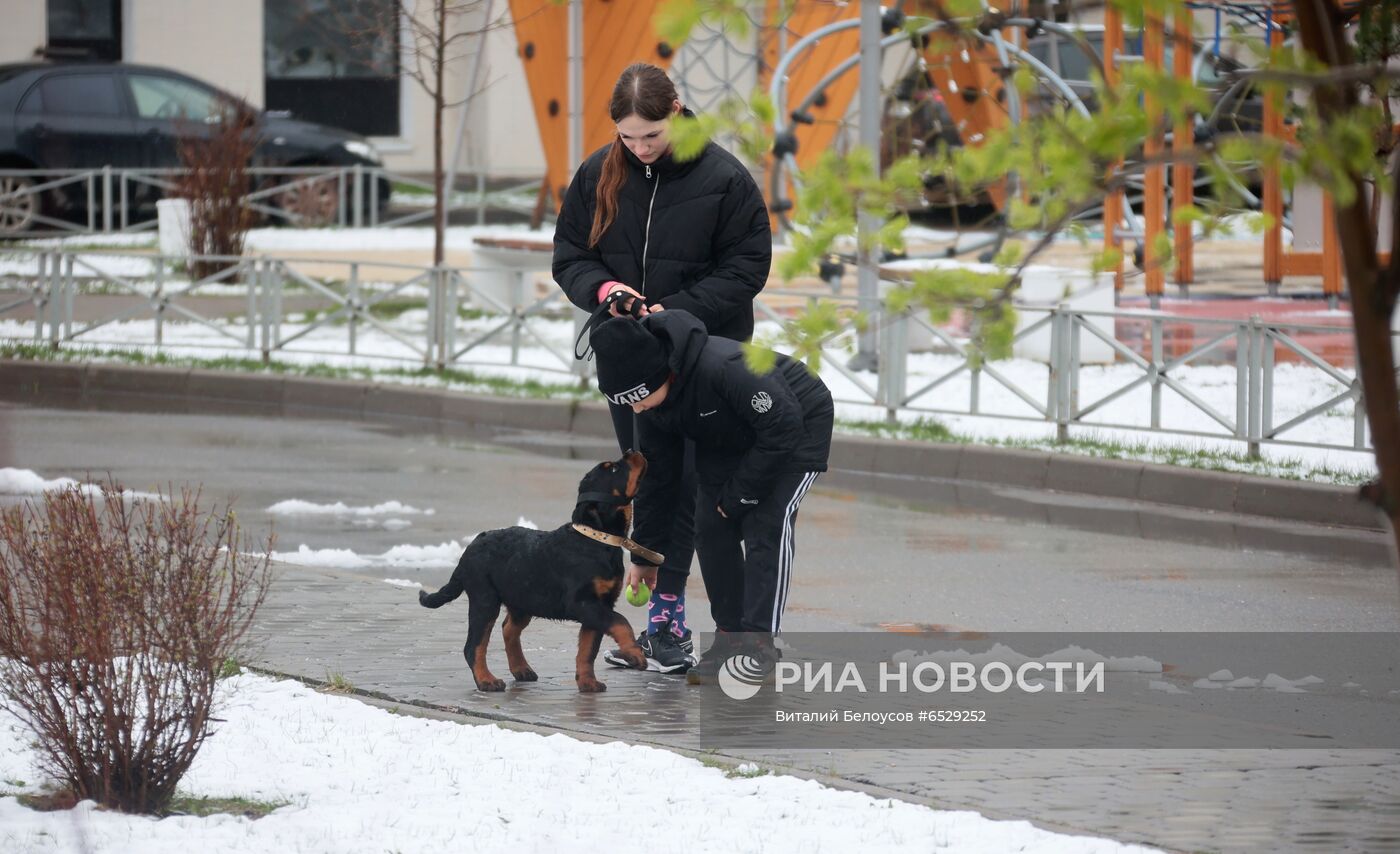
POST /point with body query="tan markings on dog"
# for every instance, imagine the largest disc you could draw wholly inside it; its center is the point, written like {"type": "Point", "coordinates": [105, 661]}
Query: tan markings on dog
{"type": "Point", "coordinates": [515, 654]}
{"type": "Point", "coordinates": [485, 679]}
{"type": "Point", "coordinates": [603, 586]}
{"type": "Point", "coordinates": [634, 477]}
{"type": "Point", "coordinates": [627, 514]}
{"type": "Point", "coordinates": [588, 642]}
{"type": "Point", "coordinates": [621, 633]}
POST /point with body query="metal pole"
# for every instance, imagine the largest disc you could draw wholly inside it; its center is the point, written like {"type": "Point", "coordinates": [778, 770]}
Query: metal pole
{"type": "Point", "coordinates": [107, 198]}
{"type": "Point", "coordinates": [470, 99]}
{"type": "Point", "coordinates": [353, 295]}
{"type": "Point", "coordinates": [867, 270]}
{"type": "Point", "coordinates": [1156, 373]}
{"type": "Point", "coordinates": [576, 84]}
{"type": "Point", "coordinates": [894, 338]}
{"type": "Point", "coordinates": [1256, 370]}
{"type": "Point", "coordinates": [41, 304]}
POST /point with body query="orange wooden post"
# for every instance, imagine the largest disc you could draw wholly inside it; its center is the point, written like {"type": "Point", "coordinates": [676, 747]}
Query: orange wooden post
{"type": "Point", "coordinates": [1155, 186]}
{"type": "Point", "coordinates": [1273, 184]}
{"type": "Point", "coordinates": [1331, 252]}
{"type": "Point", "coordinates": [1183, 174]}
{"type": "Point", "coordinates": [1113, 202]}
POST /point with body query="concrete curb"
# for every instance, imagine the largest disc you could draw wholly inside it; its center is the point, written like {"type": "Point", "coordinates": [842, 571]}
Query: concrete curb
{"type": "Point", "coordinates": [861, 460]}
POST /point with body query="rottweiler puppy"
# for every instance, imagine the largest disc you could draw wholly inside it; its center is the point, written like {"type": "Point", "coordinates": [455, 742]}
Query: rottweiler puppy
{"type": "Point", "coordinates": [556, 575]}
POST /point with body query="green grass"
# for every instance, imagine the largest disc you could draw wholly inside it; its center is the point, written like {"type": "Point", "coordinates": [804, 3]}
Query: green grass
{"type": "Point", "coordinates": [336, 683]}
{"type": "Point", "coordinates": [744, 770]}
{"type": "Point", "coordinates": [230, 667]}
{"type": "Point", "coordinates": [246, 807]}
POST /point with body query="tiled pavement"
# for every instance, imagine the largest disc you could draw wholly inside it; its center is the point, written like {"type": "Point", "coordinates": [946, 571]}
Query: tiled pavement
{"type": "Point", "coordinates": [320, 623]}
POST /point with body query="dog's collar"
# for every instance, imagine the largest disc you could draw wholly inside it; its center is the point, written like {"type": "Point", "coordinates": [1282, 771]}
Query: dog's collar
{"type": "Point", "coordinates": [623, 542]}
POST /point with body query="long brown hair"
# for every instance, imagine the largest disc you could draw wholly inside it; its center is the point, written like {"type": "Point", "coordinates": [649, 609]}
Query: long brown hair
{"type": "Point", "coordinates": [645, 91]}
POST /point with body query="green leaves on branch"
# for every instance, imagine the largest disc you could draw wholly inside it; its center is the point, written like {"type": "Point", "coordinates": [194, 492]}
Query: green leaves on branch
{"type": "Point", "coordinates": [675, 20]}
{"type": "Point", "coordinates": [749, 124]}
{"type": "Point", "coordinates": [985, 295]}
{"type": "Point", "coordinates": [836, 190]}
{"type": "Point", "coordinates": [804, 336]}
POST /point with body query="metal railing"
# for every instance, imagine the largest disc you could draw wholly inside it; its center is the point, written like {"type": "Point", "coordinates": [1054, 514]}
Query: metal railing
{"type": "Point", "coordinates": [342, 299]}
{"type": "Point", "coordinates": [108, 199]}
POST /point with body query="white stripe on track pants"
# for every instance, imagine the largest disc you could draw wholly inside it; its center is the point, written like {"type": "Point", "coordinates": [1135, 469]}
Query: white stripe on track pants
{"type": "Point", "coordinates": [747, 564]}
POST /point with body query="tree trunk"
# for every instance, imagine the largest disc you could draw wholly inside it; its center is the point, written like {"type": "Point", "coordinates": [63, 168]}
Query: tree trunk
{"type": "Point", "coordinates": [1372, 291]}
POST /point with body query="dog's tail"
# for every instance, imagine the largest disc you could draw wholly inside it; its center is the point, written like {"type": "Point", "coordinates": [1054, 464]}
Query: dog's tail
{"type": "Point", "coordinates": [449, 591]}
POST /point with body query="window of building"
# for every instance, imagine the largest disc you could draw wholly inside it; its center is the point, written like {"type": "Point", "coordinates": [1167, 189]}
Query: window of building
{"type": "Point", "coordinates": [80, 95]}
{"type": "Point", "coordinates": [85, 28]}
{"type": "Point", "coordinates": [334, 61]}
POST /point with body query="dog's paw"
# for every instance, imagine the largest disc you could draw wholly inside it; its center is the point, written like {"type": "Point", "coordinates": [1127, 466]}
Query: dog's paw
{"type": "Point", "coordinates": [491, 685]}
{"type": "Point", "coordinates": [591, 686]}
{"type": "Point", "coordinates": [525, 674]}
{"type": "Point", "coordinates": [634, 657]}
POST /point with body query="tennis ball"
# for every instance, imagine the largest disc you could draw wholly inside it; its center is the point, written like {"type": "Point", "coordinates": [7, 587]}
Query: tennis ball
{"type": "Point", "coordinates": [639, 595]}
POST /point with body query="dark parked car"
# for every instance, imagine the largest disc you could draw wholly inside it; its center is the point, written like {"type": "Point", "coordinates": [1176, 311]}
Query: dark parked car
{"type": "Point", "coordinates": [90, 115]}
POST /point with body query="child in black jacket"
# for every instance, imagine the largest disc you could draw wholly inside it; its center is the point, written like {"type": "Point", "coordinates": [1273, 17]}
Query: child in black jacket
{"type": "Point", "coordinates": [760, 442]}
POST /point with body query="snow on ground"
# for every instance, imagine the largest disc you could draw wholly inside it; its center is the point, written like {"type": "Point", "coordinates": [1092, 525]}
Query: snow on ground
{"type": "Point", "coordinates": [406, 556]}
{"type": "Point", "coordinates": [357, 778]}
{"type": "Point", "coordinates": [25, 482]}
{"type": "Point", "coordinates": [298, 507]}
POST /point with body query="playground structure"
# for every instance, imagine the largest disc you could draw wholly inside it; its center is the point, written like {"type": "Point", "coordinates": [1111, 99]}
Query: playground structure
{"type": "Point", "coordinates": [812, 61]}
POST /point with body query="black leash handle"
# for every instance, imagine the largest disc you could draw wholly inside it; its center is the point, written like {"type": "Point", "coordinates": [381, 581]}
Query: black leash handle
{"type": "Point", "coordinates": [602, 313]}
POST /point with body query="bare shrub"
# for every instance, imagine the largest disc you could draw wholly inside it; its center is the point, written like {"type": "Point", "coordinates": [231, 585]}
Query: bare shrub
{"type": "Point", "coordinates": [117, 615]}
{"type": "Point", "coordinates": [216, 156]}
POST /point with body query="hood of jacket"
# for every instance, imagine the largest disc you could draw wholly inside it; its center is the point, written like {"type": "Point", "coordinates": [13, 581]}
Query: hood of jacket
{"type": "Point", "coordinates": [682, 336]}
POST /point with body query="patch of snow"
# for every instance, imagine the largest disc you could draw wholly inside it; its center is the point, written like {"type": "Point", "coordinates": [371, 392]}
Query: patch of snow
{"type": "Point", "coordinates": [358, 778]}
{"type": "Point", "coordinates": [298, 507]}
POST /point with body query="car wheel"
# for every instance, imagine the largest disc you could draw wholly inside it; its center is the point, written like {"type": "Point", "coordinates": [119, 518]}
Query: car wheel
{"type": "Point", "coordinates": [311, 203]}
{"type": "Point", "coordinates": [19, 204]}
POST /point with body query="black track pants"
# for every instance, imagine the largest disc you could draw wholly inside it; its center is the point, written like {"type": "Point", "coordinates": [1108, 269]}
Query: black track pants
{"type": "Point", "coordinates": [682, 547]}
{"type": "Point", "coordinates": [747, 564]}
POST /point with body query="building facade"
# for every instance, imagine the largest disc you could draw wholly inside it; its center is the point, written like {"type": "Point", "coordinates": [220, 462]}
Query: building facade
{"type": "Point", "coordinates": [328, 61]}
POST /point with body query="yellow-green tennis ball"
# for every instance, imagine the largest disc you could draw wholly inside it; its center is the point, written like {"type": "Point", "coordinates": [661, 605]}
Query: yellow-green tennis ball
{"type": "Point", "coordinates": [639, 595]}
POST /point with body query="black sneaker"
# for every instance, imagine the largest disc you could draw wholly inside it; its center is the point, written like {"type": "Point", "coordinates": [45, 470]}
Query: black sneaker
{"type": "Point", "coordinates": [758, 657]}
{"type": "Point", "coordinates": [665, 652]}
{"type": "Point", "coordinates": [705, 671]}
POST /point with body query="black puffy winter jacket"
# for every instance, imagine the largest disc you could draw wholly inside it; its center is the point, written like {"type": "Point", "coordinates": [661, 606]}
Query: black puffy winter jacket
{"type": "Point", "coordinates": [692, 235]}
{"type": "Point", "coordinates": [747, 429]}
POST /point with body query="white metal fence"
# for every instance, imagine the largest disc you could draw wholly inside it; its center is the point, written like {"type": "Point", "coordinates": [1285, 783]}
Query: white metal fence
{"type": "Point", "coordinates": [513, 324]}
{"type": "Point", "coordinates": [107, 199]}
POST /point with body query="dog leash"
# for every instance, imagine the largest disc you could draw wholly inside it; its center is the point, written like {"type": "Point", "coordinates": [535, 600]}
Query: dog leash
{"type": "Point", "coordinates": [623, 542]}
{"type": "Point", "coordinates": [600, 314]}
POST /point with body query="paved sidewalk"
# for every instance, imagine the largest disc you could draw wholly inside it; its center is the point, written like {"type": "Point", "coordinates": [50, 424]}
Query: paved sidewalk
{"type": "Point", "coordinates": [865, 564]}
{"type": "Point", "coordinates": [319, 623]}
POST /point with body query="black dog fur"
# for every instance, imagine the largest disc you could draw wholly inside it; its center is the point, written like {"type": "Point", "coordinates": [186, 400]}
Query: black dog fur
{"type": "Point", "coordinates": [555, 575]}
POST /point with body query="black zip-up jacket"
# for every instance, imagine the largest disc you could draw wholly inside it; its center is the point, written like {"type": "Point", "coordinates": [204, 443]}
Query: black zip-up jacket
{"type": "Point", "coordinates": [747, 429]}
{"type": "Point", "coordinates": [692, 235]}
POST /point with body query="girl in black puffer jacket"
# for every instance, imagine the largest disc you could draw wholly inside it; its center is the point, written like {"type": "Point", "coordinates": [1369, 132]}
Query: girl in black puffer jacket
{"type": "Point", "coordinates": [692, 235]}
